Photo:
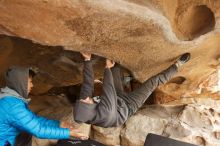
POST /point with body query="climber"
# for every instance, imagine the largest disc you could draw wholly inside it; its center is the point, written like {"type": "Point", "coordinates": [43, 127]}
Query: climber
{"type": "Point", "coordinates": [116, 106]}
{"type": "Point", "coordinates": [16, 117]}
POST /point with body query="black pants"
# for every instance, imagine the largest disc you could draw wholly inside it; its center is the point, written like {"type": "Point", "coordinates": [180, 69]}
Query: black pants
{"type": "Point", "coordinates": [136, 98]}
{"type": "Point", "coordinates": [23, 139]}
{"type": "Point", "coordinates": [78, 143]}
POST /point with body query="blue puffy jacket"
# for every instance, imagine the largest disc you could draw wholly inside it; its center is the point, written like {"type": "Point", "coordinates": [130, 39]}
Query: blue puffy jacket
{"type": "Point", "coordinates": [15, 117]}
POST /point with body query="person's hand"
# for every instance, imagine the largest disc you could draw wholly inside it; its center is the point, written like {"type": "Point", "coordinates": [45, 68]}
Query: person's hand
{"type": "Point", "coordinates": [76, 134]}
{"type": "Point", "coordinates": [86, 55]}
{"type": "Point", "coordinates": [109, 63]}
{"type": "Point", "coordinates": [88, 100]}
{"type": "Point", "coordinates": [65, 124]}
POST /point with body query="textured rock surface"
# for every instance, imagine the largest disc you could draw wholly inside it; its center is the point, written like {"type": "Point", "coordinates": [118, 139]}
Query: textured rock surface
{"type": "Point", "coordinates": [145, 36]}
{"type": "Point", "coordinates": [178, 88]}
{"type": "Point", "coordinates": [144, 29]}
{"type": "Point", "coordinates": [109, 136]}
{"type": "Point", "coordinates": [197, 122]}
{"type": "Point", "coordinates": [59, 108]}
{"type": "Point", "coordinates": [57, 67]}
{"type": "Point", "coordinates": [148, 120]}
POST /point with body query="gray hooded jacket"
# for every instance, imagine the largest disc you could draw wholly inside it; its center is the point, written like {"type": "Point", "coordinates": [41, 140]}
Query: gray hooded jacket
{"type": "Point", "coordinates": [111, 111]}
{"type": "Point", "coordinates": [16, 83]}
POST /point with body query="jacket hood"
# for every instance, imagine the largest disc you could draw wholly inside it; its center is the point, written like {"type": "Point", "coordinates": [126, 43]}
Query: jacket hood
{"type": "Point", "coordinates": [4, 92]}
{"type": "Point", "coordinates": [17, 80]}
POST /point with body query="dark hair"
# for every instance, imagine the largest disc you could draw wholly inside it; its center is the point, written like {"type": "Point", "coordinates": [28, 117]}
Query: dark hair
{"type": "Point", "coordinates": [97, 89]}
{"type": "Point", "coordinates": [31, 73]}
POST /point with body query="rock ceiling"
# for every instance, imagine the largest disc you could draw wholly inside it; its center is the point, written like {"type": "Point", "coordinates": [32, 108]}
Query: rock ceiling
{"type": "Point", "coordinates": [145, 36]}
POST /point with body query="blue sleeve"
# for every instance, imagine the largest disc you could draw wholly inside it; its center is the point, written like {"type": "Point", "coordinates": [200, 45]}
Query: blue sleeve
{"type": "Point", "coordinates": [52, 123]}
{"type": "Point", "coordinates": [23, 119]}
{"type": "Point", "coordinates": [47, 122]}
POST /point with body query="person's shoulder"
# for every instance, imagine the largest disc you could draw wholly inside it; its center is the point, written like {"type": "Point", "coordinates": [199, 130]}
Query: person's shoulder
{"type": "Point", "coordinates": [9, 103]}
{"type": "Point", "coordinates": [12, 99]}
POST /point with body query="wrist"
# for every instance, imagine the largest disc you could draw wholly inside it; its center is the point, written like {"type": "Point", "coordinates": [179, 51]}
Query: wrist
{"type": "Point", "coordinates": [71, 132]}
{"type": "Point", "coordinates": [107, 67]}
{"type": "Point", "coordinates": [87, 59]}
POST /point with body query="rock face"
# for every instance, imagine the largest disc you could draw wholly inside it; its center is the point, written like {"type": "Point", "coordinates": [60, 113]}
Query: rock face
{"type": "Point", "coordinates": [197, 122]}
{"type": "Point", "coordinates": [57, 67]}
{"type": "Point", "coordinates": [123, 30]}
{"type": "Point", "coordinates": [58, 108]}
{"type": "Point", "coordinates": [108, 136]}
{"type": "Point", "coordinates": [177, 87]}
{"type": "Point", "coordinates": [144, 36]}
{"type": "Point", "coordinates": [191, 123]}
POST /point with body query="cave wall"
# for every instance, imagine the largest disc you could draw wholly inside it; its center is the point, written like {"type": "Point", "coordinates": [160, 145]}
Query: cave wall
{"type": "Point", "coordinates": [143, 36]}
{"type": "Point", "coordinates": [148, 32]}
